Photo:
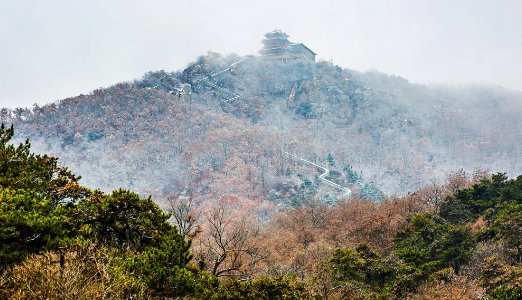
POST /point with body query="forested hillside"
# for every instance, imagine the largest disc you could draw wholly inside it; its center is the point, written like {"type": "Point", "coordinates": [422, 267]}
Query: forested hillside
{"type": "Point", "coordinates": [295, 180]}
{"type": "Point", "coordinates": [221, 126]}
{"type": "Point", "coordinates": [60, 240]}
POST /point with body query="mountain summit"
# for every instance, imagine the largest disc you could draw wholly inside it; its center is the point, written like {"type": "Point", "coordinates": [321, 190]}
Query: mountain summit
{"type": "Point", "coordinates": [277, 46]}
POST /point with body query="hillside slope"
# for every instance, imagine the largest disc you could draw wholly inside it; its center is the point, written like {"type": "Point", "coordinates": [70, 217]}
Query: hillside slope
{"type": "Point", "coordinates": [373, 131]}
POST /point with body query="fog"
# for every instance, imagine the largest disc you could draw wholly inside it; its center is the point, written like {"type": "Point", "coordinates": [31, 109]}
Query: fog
{"type": "Point", "coordinates": [378, 133]}
{"type": "Point", "coordinates": [56, 49]}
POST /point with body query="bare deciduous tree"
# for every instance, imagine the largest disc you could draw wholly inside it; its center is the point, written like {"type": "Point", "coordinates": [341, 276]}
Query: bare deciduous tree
{"type": "Point", "coordinates": [184, 216]}
{"type": "Point", "coordinates": [227, 248]}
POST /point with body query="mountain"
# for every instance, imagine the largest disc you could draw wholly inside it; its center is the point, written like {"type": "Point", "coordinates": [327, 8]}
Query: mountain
{"type": "Point", "coordinates": [246, 125]}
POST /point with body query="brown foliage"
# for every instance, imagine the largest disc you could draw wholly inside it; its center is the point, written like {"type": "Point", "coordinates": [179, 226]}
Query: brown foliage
{"type": "Point", "coordinates": [460, 287]}
{"type": "Point", "coordinates": [90, 273]}
{"type": "Point", "coordinates": [299, 241]}
{"type": "Point", "coordinates": [496, 272]}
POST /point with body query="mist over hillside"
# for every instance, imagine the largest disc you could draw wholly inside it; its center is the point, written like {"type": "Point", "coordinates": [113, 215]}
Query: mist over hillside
{"type": "Point", "coordinates": [224, 124]}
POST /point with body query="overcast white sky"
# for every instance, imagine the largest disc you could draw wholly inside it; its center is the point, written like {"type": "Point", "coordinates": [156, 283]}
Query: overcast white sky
{"type": "Point", "coordinates": [53, 49]}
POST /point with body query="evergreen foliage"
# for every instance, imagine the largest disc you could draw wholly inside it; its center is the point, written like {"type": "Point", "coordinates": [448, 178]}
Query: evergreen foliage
{"type": "Point", "coordinates": [43, 207]}
{"type": "Point", "coordinates": [307, 189]}
{"type": "Point", "coordinates": [365, 269]}
{"type": "Point", "coordinates": [370, 191]}
{"type": "Point", "coordinates": [486, 199]}
{"type": "Point", "coordinates": [263, 288]}
{"type": "Point", "coordinates": [499, 202]}
{"type": "Point", "coordinates": [351, 175]}
{"type": "Point", "coordinates": [507, 227]}
{"type": "Point", "coordinates": [430, 244]}
{"type": "Point", "coordinates": [306, 110]}
{"type": "Point", "coordinates": [122, 219]}
{"type": "Point", "coordinates": [331, 160]}
{"type": "Point", "coordinates": [21, 169]}
{"type": "Point", "coordinates": [29, 223]}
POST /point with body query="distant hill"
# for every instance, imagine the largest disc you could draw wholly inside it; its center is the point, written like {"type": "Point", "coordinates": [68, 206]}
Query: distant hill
{"type": "Point", "coordinates": [221, 126]}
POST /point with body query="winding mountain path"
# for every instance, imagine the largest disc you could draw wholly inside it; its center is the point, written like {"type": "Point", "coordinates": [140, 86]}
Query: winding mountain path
{"type": "Point", "coordinates": [322, 176]}
{"type": "Point", "coordinates": [234, 96]}
{"type": "Point", "coordinates": [347, 191]}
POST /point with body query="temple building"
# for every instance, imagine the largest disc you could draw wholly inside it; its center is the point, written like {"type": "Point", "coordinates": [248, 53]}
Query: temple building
{"type": "Point", "coordinates": [277, 46]}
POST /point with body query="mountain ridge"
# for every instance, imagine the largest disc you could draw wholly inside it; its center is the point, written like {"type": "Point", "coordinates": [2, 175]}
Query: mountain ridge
{"type": "Point", "coordinates": [241, 112]}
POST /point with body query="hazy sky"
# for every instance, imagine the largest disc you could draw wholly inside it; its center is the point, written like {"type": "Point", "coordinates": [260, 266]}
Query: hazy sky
{"type": "Point", "coordinates": [51, 49]}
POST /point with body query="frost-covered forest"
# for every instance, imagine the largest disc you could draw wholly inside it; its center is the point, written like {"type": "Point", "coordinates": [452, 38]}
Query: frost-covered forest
{"type": "Point", "coordinates": [221, 126]}
{"type": "Point", "coordinates": [270, 180]}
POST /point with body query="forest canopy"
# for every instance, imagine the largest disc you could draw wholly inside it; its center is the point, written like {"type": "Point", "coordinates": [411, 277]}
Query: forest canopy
{"type": "Point", "coordinates": [59, 239]}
